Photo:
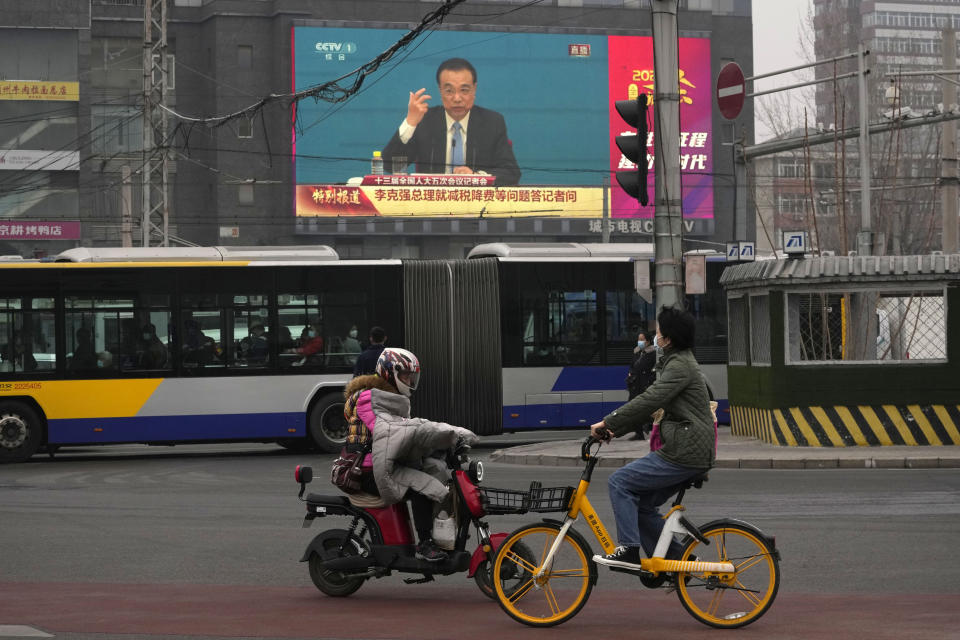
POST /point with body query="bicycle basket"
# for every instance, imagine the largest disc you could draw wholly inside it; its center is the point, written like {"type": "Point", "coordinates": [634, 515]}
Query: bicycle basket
{"type": "Point", "coordinates": [504, 500]}
{"type": "Point", "coordinates": [546, 499]}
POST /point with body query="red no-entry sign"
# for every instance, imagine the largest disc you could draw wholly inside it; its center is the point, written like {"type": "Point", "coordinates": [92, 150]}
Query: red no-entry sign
{"type": "Point", "coordinates": [731, 90]}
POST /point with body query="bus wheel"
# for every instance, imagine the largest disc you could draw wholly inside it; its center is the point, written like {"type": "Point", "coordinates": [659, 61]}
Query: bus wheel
{"type": "Point", "coordinates": [21, 432]}
{"type": "Point", "coordinates": [328, 428]}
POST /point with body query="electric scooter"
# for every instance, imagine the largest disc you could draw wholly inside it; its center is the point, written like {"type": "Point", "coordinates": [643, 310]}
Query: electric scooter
{"type": "Point", "coordinates": [379, 538]}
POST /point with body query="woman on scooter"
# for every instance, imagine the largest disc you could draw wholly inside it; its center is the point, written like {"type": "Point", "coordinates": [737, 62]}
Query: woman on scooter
{"type": "Point", "coordinates": [400, 461]}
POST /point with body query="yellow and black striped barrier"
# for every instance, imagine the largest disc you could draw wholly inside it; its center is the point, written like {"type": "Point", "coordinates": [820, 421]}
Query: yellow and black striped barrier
{"type": "Point", "coordinates": [857, 426]}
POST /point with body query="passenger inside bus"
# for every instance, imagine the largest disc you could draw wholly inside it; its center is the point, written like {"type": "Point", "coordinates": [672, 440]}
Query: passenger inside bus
{"type": "Point", "coordinates": [255, 348]}
{"type": "Point", "coordinates": [17, 354]}
{"type": "Point", "coordinates": [311, 346]}
{"type": "Point", "coordinates": [198, 349]}
{"type": "Point", "coordinates": [152, 352]}
{"type": "Point", "coordinates": [129, 344]}
{"type": "Point", "coordinates": [84, 353]}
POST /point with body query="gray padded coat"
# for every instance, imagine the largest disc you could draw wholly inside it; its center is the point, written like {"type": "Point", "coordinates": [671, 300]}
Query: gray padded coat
{"type": "Point", "coordinates": [403, 448]}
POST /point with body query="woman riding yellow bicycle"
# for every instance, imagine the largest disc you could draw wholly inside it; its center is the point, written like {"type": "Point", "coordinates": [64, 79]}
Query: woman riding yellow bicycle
{"type": "Point", "coordinates": [687, 431]}
{"type": "Point", "coordinates": [726, 573]}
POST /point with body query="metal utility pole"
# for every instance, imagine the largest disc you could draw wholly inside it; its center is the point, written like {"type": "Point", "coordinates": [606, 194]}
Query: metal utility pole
{"type": "Point", "coordinates": [668, 213]}
{"type": "Point", "coordinates": [948, 153]}
{"type": "Point", "coordinates": [865, 237]}
{"type": "Point", "coordinates": [126, 208]}
{"type": "Point", "coordinates": [605, 232]}
{"type": "Point", "coordinates": [740, 187]}
{"type": "Point", "coordinates": [155, 171]}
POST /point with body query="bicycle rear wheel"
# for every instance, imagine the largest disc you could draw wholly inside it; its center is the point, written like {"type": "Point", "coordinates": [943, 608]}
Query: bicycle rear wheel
{"type": "Point", "coordinates": [729, 604]}
{"type": "Point", "coordinates": [561, 589]}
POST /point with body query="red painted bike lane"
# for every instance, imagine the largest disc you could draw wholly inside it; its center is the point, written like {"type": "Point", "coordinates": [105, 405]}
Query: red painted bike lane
{"type": "Point", "coordinates": [426, 612]}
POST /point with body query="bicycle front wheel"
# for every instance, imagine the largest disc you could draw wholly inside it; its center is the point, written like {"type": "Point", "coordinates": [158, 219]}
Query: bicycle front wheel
{"type": "Point", "coordinates": [535, 594]}
{"type": "Point", "coordinates": [733, 603]}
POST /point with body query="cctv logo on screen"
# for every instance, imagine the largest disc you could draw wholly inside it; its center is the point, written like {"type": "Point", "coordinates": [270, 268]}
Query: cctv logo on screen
{"type": "Point", "coordinates": [336, 47]}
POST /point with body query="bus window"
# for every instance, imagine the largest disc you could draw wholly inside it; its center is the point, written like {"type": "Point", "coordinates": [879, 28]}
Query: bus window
{"type": "Point", "coordinates": [129, 333]}
{"type": "Point", "coordinates": [710, 311]}
{"type": "Point", "coordinates": [345, 313]}
{"type": "Point", "coordinates": [202, 327]}
{"type": "Point", "coordinates": [26, 335]}
{"type": "Point", "coordinates": [560, 327]}
{"type": "Point", "coordinates": [626, 315]}
{"type": "Point", "coordinates": [251, 327]}
{"type": "Point", "coordinates": [301, 326]}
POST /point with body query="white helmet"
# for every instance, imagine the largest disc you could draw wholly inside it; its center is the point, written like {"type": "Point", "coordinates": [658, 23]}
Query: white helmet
{"type": "Point", "coordinates": [400, 368]}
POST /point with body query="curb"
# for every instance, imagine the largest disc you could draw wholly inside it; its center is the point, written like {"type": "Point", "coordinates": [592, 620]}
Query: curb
{"type": "Point", "coordinates": [906, 462]}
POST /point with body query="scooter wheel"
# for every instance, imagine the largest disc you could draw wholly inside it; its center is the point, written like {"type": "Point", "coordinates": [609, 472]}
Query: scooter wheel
{"type": "Point", "coordinates": [335, 583]}
{"type": "Point", "coordinates": [482, 578]}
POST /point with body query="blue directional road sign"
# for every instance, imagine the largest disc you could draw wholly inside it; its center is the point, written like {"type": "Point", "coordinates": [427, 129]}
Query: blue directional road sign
{"type": "Point", "coordinates": [795, 242]}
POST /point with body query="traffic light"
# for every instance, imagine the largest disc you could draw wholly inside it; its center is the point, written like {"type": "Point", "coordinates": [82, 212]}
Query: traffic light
{"type": "Point", "coordinates": [634, 147]}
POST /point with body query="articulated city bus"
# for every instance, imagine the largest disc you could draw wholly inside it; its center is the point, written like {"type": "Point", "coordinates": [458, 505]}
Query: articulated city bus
{"type": "Point", "coordinates": [569, 319]}
{"type": "Point", "coordinates": [187, 345]}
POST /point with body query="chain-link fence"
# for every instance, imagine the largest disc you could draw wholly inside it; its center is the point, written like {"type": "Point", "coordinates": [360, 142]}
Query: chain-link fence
{"type": "Point", "coordinates": [867, 325]}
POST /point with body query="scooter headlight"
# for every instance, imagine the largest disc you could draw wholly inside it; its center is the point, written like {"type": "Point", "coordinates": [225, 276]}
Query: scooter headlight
{"type": "Point", "coordinates": [475, 471]}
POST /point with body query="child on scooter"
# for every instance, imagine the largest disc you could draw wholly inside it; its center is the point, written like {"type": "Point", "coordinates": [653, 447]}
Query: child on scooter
{"type": "Point", "coordinates": [400, 465]}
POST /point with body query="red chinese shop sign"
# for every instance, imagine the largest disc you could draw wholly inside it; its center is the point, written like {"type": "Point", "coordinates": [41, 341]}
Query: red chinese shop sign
{"type": "Point", "coordinates": [39, 230]}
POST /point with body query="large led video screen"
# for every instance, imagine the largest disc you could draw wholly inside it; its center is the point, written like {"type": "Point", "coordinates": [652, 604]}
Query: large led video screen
{"type": "Point", "coordinates": [556, 93]}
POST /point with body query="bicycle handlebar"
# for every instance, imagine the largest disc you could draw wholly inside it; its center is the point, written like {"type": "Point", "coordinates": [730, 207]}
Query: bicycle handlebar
{"type": "Point", "coordinates": [586, 452]}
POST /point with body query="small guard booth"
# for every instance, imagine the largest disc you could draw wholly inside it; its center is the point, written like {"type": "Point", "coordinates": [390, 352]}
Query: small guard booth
{"type": "Point", "coordinates": [845, 351]}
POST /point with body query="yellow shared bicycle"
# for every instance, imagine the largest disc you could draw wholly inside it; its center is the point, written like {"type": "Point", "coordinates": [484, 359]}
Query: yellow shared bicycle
{"type": "Point", "coordinates": [727, 575]}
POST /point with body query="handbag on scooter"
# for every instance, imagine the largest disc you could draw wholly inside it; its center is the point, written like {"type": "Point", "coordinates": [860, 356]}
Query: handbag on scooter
{"type": "Point", "coordinates": [347, 473]}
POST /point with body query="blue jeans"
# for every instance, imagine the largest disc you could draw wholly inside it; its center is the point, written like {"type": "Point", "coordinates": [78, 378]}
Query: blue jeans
{"type": "Point", "coordinates": [636, 492]}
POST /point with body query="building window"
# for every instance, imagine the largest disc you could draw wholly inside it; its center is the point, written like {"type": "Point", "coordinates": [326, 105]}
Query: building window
{"type": "Point", "coordinates": [790, 168]}
{"type": "Point", "coordinates": [244, 56]}
{"type": "Point", "coordinates": [245, 194]}
{"type": "Point", "coordinates": [245, 128]}
{"type": "Point", "coordinates": [792, 203]}
{"type": "Point", "coordinates": [823, 170]}
{"type": "Point", "coordinates": [116, 129]}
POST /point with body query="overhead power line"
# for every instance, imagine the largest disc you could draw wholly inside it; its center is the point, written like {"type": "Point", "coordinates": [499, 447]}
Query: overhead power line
{"type": "Point", "coordinates": [330, 91]}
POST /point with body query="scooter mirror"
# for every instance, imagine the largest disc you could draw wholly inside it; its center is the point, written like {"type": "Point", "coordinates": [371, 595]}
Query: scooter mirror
{"type": "Point", "coordinates": [303, 474]}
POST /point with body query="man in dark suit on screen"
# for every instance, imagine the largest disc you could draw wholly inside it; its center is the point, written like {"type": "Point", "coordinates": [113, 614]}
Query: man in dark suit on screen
{"type": "Point", "coordinates": [457, 137]}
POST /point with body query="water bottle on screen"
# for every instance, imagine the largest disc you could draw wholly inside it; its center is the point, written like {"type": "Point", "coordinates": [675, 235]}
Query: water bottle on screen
{"type": "Point", "coordinates": [376, 165]}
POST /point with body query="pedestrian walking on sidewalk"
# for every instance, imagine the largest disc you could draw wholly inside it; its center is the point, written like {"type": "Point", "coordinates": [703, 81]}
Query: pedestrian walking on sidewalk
{"type": "Point", "coordinates": [642, 373]}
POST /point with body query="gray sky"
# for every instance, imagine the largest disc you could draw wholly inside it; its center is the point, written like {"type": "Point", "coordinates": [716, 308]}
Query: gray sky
{"type": "Point", "coordinates": [776, 43]}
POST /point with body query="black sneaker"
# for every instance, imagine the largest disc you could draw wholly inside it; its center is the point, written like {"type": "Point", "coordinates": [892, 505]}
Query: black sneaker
{"type": "Point", "coordinates": [429, 551]}
{"type": "Point", "coordinates": [626, 557]}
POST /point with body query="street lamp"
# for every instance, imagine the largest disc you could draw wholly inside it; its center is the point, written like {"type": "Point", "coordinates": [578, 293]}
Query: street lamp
{"type": "Point", "coordinates": [892, 94]}
{"type": "Point", "coordinates": [892, 97]}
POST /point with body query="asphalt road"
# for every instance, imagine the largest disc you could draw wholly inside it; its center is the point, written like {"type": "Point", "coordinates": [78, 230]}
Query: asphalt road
{"type": "Point", "coordinates": [140, 542]}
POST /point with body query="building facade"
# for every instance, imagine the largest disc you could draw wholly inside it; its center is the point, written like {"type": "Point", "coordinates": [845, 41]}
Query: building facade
{"type": "Point", "coordinates": [906, 165]}
{"type": "Point", "coordinates": [71, 159]}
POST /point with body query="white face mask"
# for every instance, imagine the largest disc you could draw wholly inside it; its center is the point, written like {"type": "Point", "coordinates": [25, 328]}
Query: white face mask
{"type": "Point", "coordinates": [640, 343]}
{"type": "Point", "coordinates": [311, 334]}
{"type": "Point", "coordinates": [353, 333]}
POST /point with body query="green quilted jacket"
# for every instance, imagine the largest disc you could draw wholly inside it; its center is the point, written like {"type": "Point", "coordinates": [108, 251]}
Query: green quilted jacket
{"type": "Point", "coordinates": [686, 428]}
